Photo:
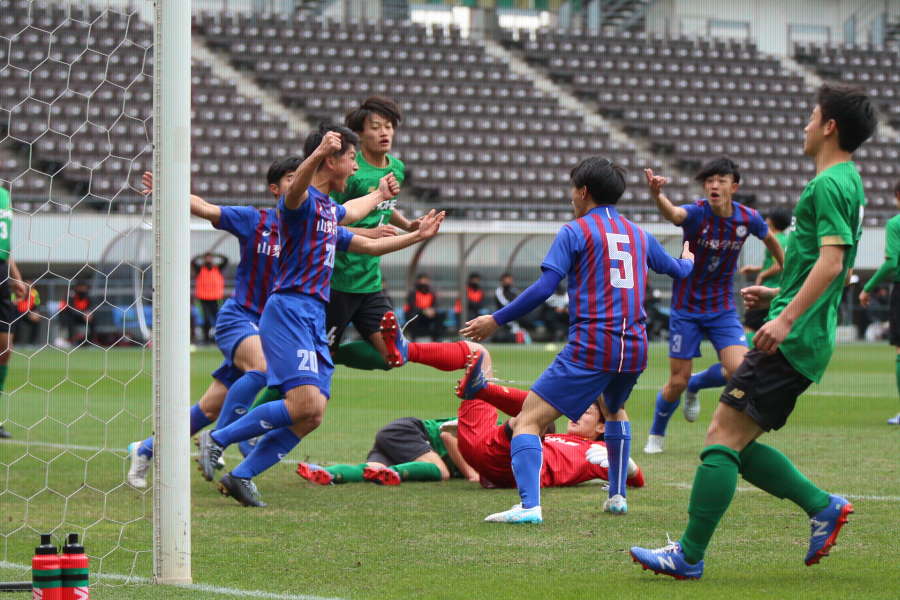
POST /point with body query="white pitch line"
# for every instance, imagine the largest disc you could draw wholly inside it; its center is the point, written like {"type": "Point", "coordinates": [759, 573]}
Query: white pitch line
{"type": "Point", "coordinates": [687, 486]}
{"type": "Point", "coordinates": [199, 587]}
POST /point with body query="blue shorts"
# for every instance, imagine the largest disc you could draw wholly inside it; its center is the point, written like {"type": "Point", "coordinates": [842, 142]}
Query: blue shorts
{"type": "Point", "coordinates": [234, 324]}
{"type": "Point", "coordinates": [571, 389]}
{"type": "Point", "coordinates": [687, 330]}
{"type": "Point", "coordinates": [292, 329]}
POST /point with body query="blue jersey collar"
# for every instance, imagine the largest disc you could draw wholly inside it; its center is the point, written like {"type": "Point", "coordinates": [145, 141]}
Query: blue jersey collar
{"type": "Point", "coordinates": [604, 210]}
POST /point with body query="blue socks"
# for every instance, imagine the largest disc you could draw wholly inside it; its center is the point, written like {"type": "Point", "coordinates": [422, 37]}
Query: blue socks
{"type": "Point", "coordinates": [712, 377]}
{"type": "Point", "coordinates": [662, 414]}
{"type": "Point", "coordinates": [198, 422]}
{"type": "Point", "coordinates": [618, 446]}
{"type": "Point", "coordinates": [240, 396]}
{"type": "Point", "coordinates": [260, 420]}
{"type": "Point", "coordinates": [527, 455]}
{"type": "Point", "coordinates": [271, 449]}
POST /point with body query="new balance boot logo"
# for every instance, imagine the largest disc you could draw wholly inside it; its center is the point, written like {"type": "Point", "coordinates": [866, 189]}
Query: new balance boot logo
{"type": "Point", "coordinates": [667, 562]}
{"type": "Point", "coordinates": [819, 528]}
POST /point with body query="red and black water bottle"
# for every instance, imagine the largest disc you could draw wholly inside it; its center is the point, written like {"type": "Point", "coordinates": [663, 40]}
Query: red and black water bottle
{"type": "Point", "coordinates": [74, 570]}
{"type": "Point", "coordinates": [45, 571]}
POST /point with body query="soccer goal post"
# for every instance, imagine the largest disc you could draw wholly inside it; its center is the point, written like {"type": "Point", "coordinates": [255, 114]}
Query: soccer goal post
{"type": "Point", "coordinates": [171, 291]}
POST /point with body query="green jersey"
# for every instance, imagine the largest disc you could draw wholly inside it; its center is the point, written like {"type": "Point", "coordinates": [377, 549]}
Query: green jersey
{"type": "Point", "coordinates": [769, 260]}
{"type": "Point", "coordinates": [829, 213]}
{"type": "Point", "coordinates": [433, 429]}
{"type": "Point", "coordinates": [889, 270]}
{"type": "Point", "coordinates": [5, 224]}
{"type": "Point", "coordinates": [361, 273]}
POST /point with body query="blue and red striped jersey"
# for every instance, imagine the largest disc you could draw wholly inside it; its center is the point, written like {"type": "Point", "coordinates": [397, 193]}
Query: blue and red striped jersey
{"type": "Point", "coordinates": [257, 234]}
{"type": "Point", "coordinates": [605, 258]}
{"type": "Point", "coordinates": [716, 243]}
{"type": "Point", "coordinates": [310, 235]}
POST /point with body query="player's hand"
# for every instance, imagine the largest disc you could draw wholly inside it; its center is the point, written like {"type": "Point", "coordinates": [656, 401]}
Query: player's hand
{"type": "Point", "coordinates": [686, 252]}
{"type": "Point", "coordinates": [430, 224]}
{"type": "Point", "coordinates": [414, 225]}
{"type": "Point", "coordinates": [655, 183]}
{"type": "Point", "coordinates": [597, 455]}
{"type": "Point", "coordinates": [147, 180]}
{"type": "Point", "coordinates": [758, 296]}
{"type": "Point", "coordinates": [771, 334]}
{"type": "Point", "coordinates": [383, 231]}
{"type": "Point", "coordinates": [865, 298]}
{"type": "Point", "coordinates": [388, 186]}
{"type": "Point", "coordinates": [479, 328]}
{"type": "Point", "coordinates": [19, 289]}
{"type": "Point", "coordinates": [748, 270]}
{"type": "Point", "coordinates": [330, 144]}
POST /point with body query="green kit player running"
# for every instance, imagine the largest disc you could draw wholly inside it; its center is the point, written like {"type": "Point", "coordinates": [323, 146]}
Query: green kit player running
{"type": "Point", "coordinates": [11, 278]}
{"type": "Point", "coordinates": [792, 349]}
{"type": "Point", "coordinates": [890, 271]}
{"type": "Point", "coordinates": [356, 287]}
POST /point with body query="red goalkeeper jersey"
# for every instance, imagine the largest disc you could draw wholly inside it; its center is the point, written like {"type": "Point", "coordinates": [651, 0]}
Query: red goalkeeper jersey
{"type": "Point", "coordinates": [564, 461]}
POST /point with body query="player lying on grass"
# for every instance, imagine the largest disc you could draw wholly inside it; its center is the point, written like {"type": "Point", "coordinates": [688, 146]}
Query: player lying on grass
{"type": "Point", "coordinates": [792, 348]}
{"type": "Point", "coordinates": [716, 228]}
{"type": "Point", "coordinates": [605, 258]}
{"type": "Point", "coordinates": [292, 325]}
{"type": "Point", "coordinates": [578, 455]}
{"type": "Point", "coordinates": [243, 367]}
{"type": "Point", "coordinates": [407, 449]}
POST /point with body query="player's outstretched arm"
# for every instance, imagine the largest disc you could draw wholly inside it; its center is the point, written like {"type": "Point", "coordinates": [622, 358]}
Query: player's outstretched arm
{"type": "Point", "coordinates": [674, 214]}
{"type": "Point", "coordinates": [660, 261]}
{"type": "Point", "coordinates": [199, 207]}
{"type": "Point", "coordinates": [398, 220]}
{"type": "Point", "coordinates": [431, 224]}
{"type": "Point", "coordinates": [456, 456]}
{"type": "Point", "coordinates": [358, 208]}
{"type": "Point", "coordinates": [888, 269]}
{"type": "Point", "coordinates": [297, 193]}
{"type": "Point", "coordinates": [828, 266]}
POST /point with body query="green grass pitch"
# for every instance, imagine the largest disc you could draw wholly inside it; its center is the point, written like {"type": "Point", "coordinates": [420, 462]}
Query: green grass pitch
{"type": "Point", "coordinates": [427, 540]}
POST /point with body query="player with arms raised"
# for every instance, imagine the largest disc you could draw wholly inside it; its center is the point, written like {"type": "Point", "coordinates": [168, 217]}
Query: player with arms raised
{"type": "Point", "coordinates": [716, 228]}
{"type": "Point", "coordinates": [605, 258]}
{"type": "Point", "coordinates": [792, 349]}
{"type": "Point", "coordinates": [293, 322]}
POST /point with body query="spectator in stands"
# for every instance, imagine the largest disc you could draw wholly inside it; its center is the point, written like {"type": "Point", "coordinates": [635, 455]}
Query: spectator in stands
{"type": "Point", "coordinates": [505, 293]}
{"type": "Point", "coordinates": [475, 302]}
{"type": "Point", "coordinates": [422, 315]}
{"type": "Point", "coordinates": [555, 314]}
{"type": "Point", "coordinates": [75, 315]}
{"type": "Point", "coordinates": [209, 288]}
{"type": "Point", "coordinates": [29, 322]}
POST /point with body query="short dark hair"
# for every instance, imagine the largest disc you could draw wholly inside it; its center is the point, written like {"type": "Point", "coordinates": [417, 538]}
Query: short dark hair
{"type": "Point", "coordinates": [718, 166]}
{"type": "Point", "coordinates": [348, 138]}
{"type": "Point", "coordinates": [781, 217]}
{"type": "Point", "coordinates": [378, 105]}
{"type": "Point", "coordinates": [852, 111]}
{"type": "Point", "coordinates": [604, 180]}
{"type": "Point", "coordinates": [281, 167]}
{"type": "Point", "coordinates": [505, 274]}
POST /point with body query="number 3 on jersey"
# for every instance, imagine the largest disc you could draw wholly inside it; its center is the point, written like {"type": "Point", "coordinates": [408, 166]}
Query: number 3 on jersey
{"type": "Point", "coordinates": [620, 277]}
{"type": "Point", "coordinates": [309, 361]}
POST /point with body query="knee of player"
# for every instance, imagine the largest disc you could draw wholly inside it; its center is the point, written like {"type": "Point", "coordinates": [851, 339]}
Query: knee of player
{"type": "Point", "coordinates": [678, 382]}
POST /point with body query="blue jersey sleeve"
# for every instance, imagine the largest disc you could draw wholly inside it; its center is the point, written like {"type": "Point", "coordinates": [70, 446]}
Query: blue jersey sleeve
{"type": "Point", "coordinates": [238, 220]}
{"type": "Point", "coordinates": [563, 251]}
{"type": "Point", "coordinates": [340, 212]}
{"type": "Point", "coordinates": [758, 226]}
{"type": "Point", "coordinates": [693, 219]}
{"type": "Point", "coordinates": [344, 236]}
{"type": "Point", "coordinates": [301, 213]}
{"type": "Point", "coordinates": [530, 299]}
{"type": "Point", "coordinates": [660, 261]}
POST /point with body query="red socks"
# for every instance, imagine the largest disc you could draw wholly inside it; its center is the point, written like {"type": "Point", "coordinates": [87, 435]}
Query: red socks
{"type": "Point", "coordinates": [507, 399]}
{"type": "Point", "coordinates": [447, 356]}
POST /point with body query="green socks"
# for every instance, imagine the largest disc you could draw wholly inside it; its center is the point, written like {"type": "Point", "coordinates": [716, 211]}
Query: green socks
{"type": "Point", "coordinates": [5, 368]}
{"type": "Point", "coordinates": [713, 489]}
{"type": "Point", "coordinates": [418, 471]}
{"type": "Point", "coordinates": [359, 355]}
{"type": "Point", "coordinates": [772, 472]}
{"type": "Point", "coordinates": [347, 473]}
{"type": "Point", "coordinates": [266, 395]}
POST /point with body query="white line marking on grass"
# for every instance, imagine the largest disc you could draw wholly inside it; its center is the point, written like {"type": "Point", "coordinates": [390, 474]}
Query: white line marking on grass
{"type": "Point", "coordinates": [687, 486]}
{"type": "Point", "coordinates": [200, 587]}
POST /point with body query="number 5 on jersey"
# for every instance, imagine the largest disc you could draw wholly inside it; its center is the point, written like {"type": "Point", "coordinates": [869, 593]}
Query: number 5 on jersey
{"type": "Point", "coordinates": [309, 361]}
{"type": "Point", "coordinates": [623, 277]}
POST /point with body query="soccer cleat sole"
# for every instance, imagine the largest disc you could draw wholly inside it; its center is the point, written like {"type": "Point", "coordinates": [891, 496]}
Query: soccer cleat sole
{"type": "Point", "coordinates": [317, 476]}
{"type": "Point", "coordinates": [382, 476]}
{"type": "Point", "coordinates": [655, 572]}
{"type": "Point", "coordinates": [822, 552]}
{"type": "Point", "coordinates": [389, 329]}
